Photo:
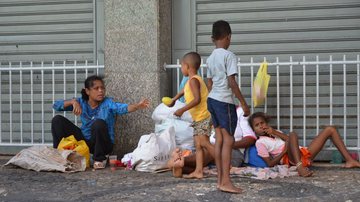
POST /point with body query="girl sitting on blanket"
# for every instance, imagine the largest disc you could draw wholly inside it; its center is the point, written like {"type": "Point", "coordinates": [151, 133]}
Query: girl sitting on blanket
{"type": "Point", "coordinates": [276, 147]}
{"type": "Point", "coordinates": [97, 113]}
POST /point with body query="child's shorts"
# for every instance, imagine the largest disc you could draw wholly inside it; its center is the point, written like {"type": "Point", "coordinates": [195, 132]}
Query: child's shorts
{"type": "Point", "coordinates": [305, 158]}
{"type": "Point", "coordinates": [202, 127]}
{"type": "Point", "coordinates": [223, 115]}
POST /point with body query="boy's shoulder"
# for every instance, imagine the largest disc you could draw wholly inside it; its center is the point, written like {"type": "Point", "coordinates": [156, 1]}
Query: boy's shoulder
{"type": "Point", "coordinates": [198, 77]}
{"type": "Point", "coordinates": [220, 52]}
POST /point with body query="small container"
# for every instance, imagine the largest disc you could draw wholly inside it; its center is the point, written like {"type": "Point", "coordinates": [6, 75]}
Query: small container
{"type": "Point", "coordinates": [354, 155]}
{"type": "Point", "coordinates": [112, 162]}
{"type": "Point", "coordinates": [336, 157]}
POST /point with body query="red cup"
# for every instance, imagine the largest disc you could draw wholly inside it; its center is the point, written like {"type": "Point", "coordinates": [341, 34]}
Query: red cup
{"type": "Point", "coordinates": [112, 161]}
{"type": "Point", "coordinates": [354, 155]}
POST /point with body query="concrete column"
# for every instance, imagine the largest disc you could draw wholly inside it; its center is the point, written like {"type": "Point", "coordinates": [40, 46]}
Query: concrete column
{"type": "Point", "coordinates": [137, 44]}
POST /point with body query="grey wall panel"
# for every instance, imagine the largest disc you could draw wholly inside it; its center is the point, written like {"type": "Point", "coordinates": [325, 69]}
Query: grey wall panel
{"type": "Point", "coordinates": [282, 28]}
{"type": "Point", "coordinates": [46, 30]}
{"type": "Point", "coordinates": [183, 28]}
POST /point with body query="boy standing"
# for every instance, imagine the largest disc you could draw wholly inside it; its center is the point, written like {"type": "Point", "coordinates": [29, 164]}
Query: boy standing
{"type": "Point", "coordinates": [222, 69]}
{"type": "Point", "coordinates": [195, 93]}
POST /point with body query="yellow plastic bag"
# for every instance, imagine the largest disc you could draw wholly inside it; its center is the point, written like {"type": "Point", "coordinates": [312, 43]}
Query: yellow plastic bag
{"type": "Point", "coordinates": [70, 143]}
{"type": "Point", "coordinates": [261, 84]}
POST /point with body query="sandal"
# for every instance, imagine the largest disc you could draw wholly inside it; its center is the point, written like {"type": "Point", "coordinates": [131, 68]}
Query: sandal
{"type": "Point", "coordinates": [99, 165]}
{"type": "Point", "coordinates": [303, 171]}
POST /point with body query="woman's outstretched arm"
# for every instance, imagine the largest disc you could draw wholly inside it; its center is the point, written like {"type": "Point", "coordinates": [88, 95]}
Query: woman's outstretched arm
{"type": "Point", "coordinates": [141, 105]}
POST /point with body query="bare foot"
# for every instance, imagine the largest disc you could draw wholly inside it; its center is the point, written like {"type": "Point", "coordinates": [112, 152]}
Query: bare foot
{"type": "Point", "coordinates": [352, 164]}
{"type": "Point", "coordinates": [304, 171]}
{"type": "Point", "coordinates": [175, 155]}
{"type": "Point", "coordinates": [194, 175]}
{"type": "Point", "coordinates": [230, 188]}
{"type": "Point", "coordinates": [178, 166]}
{"type": "Point", "coordinates": [179, 162]}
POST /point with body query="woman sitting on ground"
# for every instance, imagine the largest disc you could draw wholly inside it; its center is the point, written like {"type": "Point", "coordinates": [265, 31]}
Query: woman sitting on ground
{"type": "Point", "coordinates": [276, 147]}
{"type": "Point", "coordinates": [97, 113]}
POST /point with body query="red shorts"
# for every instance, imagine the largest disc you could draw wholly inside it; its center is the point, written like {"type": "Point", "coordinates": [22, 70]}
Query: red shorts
{"type": "Point", "coordinates": [305, 158]}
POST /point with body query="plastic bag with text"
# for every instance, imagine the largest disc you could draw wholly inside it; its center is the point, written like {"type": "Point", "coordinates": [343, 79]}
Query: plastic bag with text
{"type": "Point", "coordinates": [153, 151]}
{"type": "Point", "coordinates": [183, 132]}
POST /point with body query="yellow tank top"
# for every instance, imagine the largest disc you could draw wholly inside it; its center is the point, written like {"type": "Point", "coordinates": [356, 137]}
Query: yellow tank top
{"type": "Point", "coordinates": [200, 111]}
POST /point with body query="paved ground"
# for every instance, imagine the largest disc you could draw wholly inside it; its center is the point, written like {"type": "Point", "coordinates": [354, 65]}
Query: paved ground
{"type": "Point", "coordinates": [329, 184]}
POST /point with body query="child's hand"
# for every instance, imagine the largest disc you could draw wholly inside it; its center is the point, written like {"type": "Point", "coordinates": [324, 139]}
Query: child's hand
{"type": "Point", "coordinates": [246, 111]}
{"type": "Point", "coordinates": [179, 113]}
{"type": "Point", "coordinates": [269, 130]}
{"type": "Point", "coordinates": [172, 102]}
{"type": "Point", "coordinates": [143, 104]}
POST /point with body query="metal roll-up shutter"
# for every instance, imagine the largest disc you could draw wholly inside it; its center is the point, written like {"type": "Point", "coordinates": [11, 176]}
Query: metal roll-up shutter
{"type": "Point", "coordinates": [282, 27]}
{"type": "Point", "coordinates": [45, 30]}
{"type": "Point", "coordinates": [297, 28]}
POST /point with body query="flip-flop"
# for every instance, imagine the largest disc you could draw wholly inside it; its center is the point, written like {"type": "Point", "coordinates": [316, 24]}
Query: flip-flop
{"type": "Point", "coordinates": [309, 174]}
{"type": "Point", "coordinates": [99, 165]}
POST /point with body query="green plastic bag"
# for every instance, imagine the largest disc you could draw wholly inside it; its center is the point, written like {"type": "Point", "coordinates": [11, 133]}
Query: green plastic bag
{"type": "Point", "coordinates": [261, 84]}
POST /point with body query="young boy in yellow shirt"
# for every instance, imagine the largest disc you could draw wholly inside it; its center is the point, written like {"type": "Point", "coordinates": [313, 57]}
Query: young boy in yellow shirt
{"type": "Point", "coordinates": [196, 93]}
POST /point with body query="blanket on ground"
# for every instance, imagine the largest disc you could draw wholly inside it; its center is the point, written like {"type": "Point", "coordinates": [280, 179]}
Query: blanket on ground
{"type": "Point", "coordinates": [280, 171]}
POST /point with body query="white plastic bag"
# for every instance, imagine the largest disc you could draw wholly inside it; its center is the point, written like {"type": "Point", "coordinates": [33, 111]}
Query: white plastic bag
{"type": "Point", "coordinates": [243, 128]}
{"type": "Point", "coordinates": [183, 132]}
{"type": "Point", "coordinates": [154, 151]}
{"type": "Point", "coordinates": [43, 158]}
{"type": "Point", "coordinates": [162, 112]}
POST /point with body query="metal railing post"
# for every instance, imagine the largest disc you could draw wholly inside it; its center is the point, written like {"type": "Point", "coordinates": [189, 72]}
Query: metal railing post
{"type": "Point", "coordinates": [291, 95]}
{"type": "Point", "coordinates": [304, 102]}
{"type": "Point", "coordinates": [345, 101]}
{"type": "Point", "coordinates": [10, 103]}
{"type": "Point", "coordinates": [21, 104]}
{"type": "Point", "coordinates": [277, 93]}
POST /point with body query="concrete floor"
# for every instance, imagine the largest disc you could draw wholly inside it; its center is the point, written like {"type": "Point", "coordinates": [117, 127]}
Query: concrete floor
{"type": "Point", "coordinates": [330, 183]}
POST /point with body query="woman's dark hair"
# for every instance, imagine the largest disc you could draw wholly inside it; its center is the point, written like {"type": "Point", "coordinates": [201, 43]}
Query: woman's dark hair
{"type": "Point", "coordinates": [258, 115]}
{"type": "Point", "coordinates": [89, 82]}
{"type": "Point", "coordinates": [220, 29]}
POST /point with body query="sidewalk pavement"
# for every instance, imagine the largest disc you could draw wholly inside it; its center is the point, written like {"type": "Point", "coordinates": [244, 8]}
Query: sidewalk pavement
{"type": "Point", "coordinates": [330, 183]}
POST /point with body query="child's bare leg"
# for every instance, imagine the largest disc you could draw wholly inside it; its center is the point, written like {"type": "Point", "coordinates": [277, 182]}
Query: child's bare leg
{"type": "Point", "coordinates": [205, 143]}
{"type": "Point", "coordinates": [198, 173]}
{"type": "Point", "coordinates": [226, 184]}
{"type": "Point", "coordinates": [296, 155]}
{"type": "Point", "coordinates": [218, 148]}
{"type": "Point", "coordinates": [190, 162]}
{"type": "Point", "coordinates": [331, 132]}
